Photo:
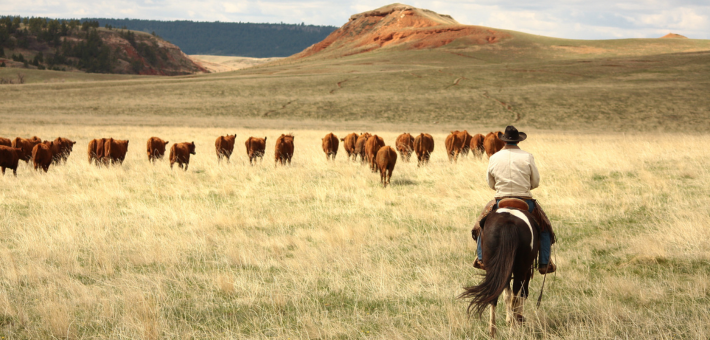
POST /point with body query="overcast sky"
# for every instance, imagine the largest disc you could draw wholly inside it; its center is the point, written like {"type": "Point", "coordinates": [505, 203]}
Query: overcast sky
{"type": "Point", "coordinates": [577, 19]}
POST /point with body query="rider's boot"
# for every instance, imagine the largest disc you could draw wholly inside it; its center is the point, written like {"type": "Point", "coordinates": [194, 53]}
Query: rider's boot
{"type": "Point", "coordinates": [478, 263]}
{"type": "Point", "coordinates": [546, 265]}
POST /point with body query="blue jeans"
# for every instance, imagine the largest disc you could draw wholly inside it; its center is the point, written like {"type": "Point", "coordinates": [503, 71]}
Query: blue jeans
{"type": "Point", "coordinates": [545, 242]}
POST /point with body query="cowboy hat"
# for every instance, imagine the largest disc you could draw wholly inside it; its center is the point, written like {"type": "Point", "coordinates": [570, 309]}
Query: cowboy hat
{"type": "Point", "coordinates": [512, 135]}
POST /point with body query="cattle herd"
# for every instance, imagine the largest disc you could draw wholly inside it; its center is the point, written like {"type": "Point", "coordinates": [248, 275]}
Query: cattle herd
{"type": "Point", "coordinates": [370, 148]}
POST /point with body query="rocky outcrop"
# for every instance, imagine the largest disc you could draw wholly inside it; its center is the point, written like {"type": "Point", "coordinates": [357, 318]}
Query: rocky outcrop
{"type": "Point", "coordinates": [399, 26]}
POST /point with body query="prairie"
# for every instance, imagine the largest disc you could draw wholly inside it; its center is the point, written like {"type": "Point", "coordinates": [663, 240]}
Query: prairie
{"type": "Point", "coordinates": [655, 85]}
{"type": "Point", "coordinates": [321, 250]}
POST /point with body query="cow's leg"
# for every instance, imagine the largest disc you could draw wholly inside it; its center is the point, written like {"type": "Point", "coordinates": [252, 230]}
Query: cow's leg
{"type": "Point", "coordinates": [186, 165]}
{"type": "Point", "coordinates": [14, 171]}
{"type": "Point", "coordinates": [3, 171]}
{"type": "Point", "coordinates": [171, 165]}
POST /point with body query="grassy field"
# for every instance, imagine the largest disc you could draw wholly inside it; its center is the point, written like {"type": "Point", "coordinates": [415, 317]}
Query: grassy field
{"type": "Point", "coordinates": [654, 85]}
{"type": "Point", "coordinates": [320, 250]}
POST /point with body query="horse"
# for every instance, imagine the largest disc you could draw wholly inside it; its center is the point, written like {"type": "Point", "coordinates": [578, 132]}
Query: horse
{"type": "Point", "coordinates": [510, 243]}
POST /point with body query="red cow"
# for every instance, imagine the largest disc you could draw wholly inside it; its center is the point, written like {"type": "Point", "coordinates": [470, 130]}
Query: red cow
{"type": "Point", "coordinates": [386, 159]}
{"type": "Point", "coordinates": [374, 143]}
{"type": "Point", "coordinates": [180, 154]}
{"type": "Point", "coordinates": [423, 147]}
{"type": "Point", "coordinates": [284, 149]}
{"type": "Point", "coordinates": [26, 145]}
{"type": "Point", "coordinates": [5, 142]}
{"type": "Point", "coordinates": [465, 139]}
{"type": "Point", "coordinates": [492, 143]}
{"type": "Point", "coordinates": [256, 147]}
{"type": "Point", "coordinates": [360, 146]}
{"type": "Point", "coordinates": [405, 146]}
{"type": "Point", "coordinates": [9, 157]}
{"type": "Point", "coordinates": [156, 148]}
{"type": "Point", "coordinates": [349, 145]}
{"type": "Point", "coordinates": [224, 146]}
{"type": "Point", "coordinates": [115, 151]}
{"type": "Point", "coordinates": [454, 144]}
{"type": "Point", "coordinates": [62, 149]}
{"type": "Point", "coordinates": [43, 155]}
{"type": "Point", "coordinates": [330, 146]}
{"type": "Point", "coordinates": [476, 145]}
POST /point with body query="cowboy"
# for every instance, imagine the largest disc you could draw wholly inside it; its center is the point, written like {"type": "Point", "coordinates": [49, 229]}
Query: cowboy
{"type": "Point", "coordinates": [512, 174]}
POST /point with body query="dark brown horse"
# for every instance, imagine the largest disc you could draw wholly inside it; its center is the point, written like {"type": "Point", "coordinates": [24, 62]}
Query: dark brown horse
{"type": "Point", "coordinates": [509, 243]}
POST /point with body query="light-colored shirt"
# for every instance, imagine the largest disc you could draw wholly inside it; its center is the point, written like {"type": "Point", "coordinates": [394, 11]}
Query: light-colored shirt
{"type": "Point", "coordinates": [512, 172]}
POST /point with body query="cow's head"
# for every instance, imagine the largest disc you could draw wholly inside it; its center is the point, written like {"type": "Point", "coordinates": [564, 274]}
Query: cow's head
{"type": "Point", "coordinates": [191, 147]}
{"type": "Point", "coordinates": [166, 142]}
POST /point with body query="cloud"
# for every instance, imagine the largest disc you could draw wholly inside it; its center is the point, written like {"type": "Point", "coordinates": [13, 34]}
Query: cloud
{"type": "Point", "coordinates": [578, 19]}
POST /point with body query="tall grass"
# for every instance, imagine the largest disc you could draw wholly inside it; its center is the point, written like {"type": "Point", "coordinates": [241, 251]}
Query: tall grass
{"type": "Point", "coordinates": [321, 250]}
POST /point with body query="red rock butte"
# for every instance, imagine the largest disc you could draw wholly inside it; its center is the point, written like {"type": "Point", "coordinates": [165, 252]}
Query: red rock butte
{"type": "Point", "coordinates": [673, 36]}
{"type": "Point", "coordinates": [398, 26]}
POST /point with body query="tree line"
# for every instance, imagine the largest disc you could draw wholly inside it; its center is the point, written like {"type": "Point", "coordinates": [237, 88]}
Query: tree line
{"type": "Point", "coordinates": [229, 38]}
{"type": "Point", "coordinates": [88, 53]}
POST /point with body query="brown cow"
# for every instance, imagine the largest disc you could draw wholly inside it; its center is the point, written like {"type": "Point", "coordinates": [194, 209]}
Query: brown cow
{"type": "Point", "coordinates": [423, 147]}
{"type": "Point", "coordinates": [9, 157]}
{"type": "Point", "coordinates": [256, 147]}
{"type": "Point", "coordinates": [43, 155]}
{"type": "Point", "coordinates": [405, 146]}
{"type": "Point", "coordinates": [465, 139]}
{"type": "Point", "coordinates": [26, 145]}
{"type": "Point", "coordinates": [115, 151]}
{"type": "Point", "coordinates": [62, 149]}
{"type": "Point", "coordinates": [360, 146]}
{"type": "Point", "coordinates": [155, 148]}
{"type": "Point", "coordinates": [330, 145]}
{"type": "Point", "coordinates": [97, 151]}
{"type": "Point", "coordinates": [224, 146]}
{"type": "Point", "coordinates": [180, 153]}
{"type": "Point", "coordinates": [454, 144]}
{"type": "Point", "coordinates": [476, 145]}
{"type": "Point", "coordinates": [492, 143]}
{"type": "Point", "coordinates": [349, 145]}
{"type": "Point", "coordinates": [284, 149]}
{"type": "Point", "coordinates": [374, 143]}
{"type": "Point", "coordinates": [386, 159]}
{"type": "Point", "coordinates": [5, 142]}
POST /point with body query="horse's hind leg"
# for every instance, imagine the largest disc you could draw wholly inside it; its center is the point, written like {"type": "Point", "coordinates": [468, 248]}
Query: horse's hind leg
{"type": "Point", "coordinates": [492, 322]}
{"type": "Point", "coordinates": [508, 298]}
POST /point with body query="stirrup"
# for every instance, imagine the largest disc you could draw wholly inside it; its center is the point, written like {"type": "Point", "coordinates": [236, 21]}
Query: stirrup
{"type": "Point", "coordinates": [550, 268]}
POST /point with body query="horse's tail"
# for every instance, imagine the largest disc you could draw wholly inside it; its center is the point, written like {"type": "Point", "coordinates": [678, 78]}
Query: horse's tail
{"type": "Point", "coordinates": [499, 268]}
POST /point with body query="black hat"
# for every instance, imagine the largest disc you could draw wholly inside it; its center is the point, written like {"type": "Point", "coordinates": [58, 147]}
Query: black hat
{"type": "Point", "coordinates": [512, 135]}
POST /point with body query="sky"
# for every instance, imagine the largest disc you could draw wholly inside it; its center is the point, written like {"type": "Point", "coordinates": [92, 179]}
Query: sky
{"type": "Point", "coordinates": [574, 19]}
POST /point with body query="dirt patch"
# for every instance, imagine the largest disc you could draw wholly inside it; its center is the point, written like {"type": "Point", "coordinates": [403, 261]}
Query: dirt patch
{"type": "Point", "coordinates": [673, 36]}
{"type": "Point", "coordinates": [216, 64]}
{"type": "Point", "coordinates": [581, 49]}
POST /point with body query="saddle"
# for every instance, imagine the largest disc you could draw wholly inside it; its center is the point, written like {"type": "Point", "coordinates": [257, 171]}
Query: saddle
{"type": "Point", "coordinates": [542, 222]}
{"type": "Point", "coordinates": [515, 203]}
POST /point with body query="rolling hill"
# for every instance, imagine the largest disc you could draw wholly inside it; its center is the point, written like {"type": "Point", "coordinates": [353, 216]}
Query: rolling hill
{"type": "Point", "coordinates": [470, 81]}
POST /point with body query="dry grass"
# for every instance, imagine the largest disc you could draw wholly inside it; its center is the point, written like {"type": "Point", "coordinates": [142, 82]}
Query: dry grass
{"type": "Point", "coordinates": [319, 250]}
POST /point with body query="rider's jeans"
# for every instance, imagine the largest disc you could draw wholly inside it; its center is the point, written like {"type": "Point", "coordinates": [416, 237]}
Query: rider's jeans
{"type": "Point", "coordinates": [545, 242]}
